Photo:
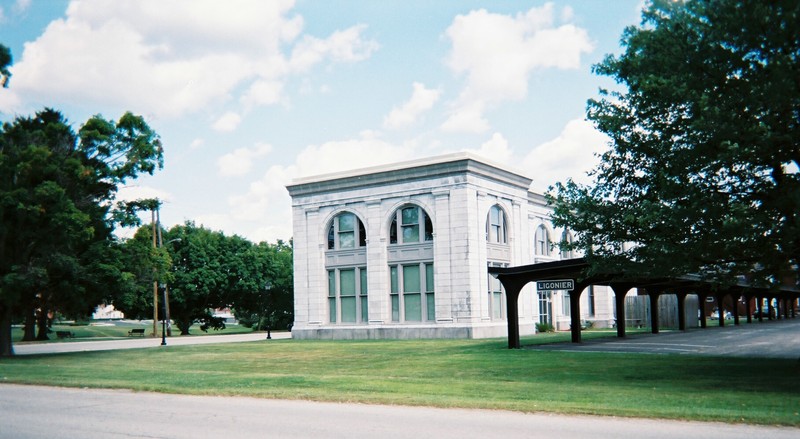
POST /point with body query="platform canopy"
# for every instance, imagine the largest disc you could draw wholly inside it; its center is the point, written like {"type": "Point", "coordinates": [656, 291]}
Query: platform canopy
{"type": "Point", "coordinates": [577, 270]}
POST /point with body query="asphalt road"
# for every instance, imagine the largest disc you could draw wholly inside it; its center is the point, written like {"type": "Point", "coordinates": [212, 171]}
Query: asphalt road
{"type": "Point", "coordinates": [768, 339]}
{"type": "Point", "coordinates": [138, 342]}
{"type": "Point", "coordinates": [32, 412]}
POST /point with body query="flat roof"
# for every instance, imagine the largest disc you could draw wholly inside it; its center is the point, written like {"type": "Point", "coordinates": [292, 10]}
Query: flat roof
{"type": "Point", "coordinates": [461, 162]}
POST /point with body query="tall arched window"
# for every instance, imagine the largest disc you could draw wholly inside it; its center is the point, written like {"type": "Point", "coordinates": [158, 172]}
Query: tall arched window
{"type": "Point", "coordinates": [411, 268]}
{"type": "Point", "coordinates": [496, 226]}
{"type": "Point", "coordinates": [566, 239]}
{"type": "Point", "coordinates": [542, 241]}
{"type": "Point", "coordinates": [346, 232]}
{"type": "Point", "coordinates": [346, 265]}
{"type": "Point", "coordinates": [410, 225]}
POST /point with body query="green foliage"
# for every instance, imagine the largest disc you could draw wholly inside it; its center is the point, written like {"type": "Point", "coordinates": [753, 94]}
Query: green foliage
{"type": "Point", "coordinates": [702, 174]}
{"type": "Point", "coordinates": [544, 327]}
{"type": "Point", "coordinates": [206, 270]}
{"type": "Point", "coordinates": [5, 63]}
{"type": "Point", "coordinates": [57, 251]}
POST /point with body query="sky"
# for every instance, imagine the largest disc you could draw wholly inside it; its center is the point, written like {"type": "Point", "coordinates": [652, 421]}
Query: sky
{"type": "Point", "coordinates": [248, 95]}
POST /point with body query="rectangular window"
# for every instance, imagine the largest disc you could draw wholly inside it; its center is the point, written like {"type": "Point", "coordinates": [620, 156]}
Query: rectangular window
{"type": "Point", "coordinates": [411, 293]}
{"type": "Point", "coordinates": [347, 291]}
{"type": "Point", "coordinates": [430, 302]}
{"type": "Point", "coordinates": [565, 305]}
{"type": "Point", "coordinates": [332, 295]}
{"type": "Point", "coordinates": [364, 296]}
{"type": "Point", "coordinates": [545, 307]}
{"type": "Point", "coordinates": [411, 278]}
{"type": "Point", "coordinates": [496, 298]}
{"type": "Point", "coordinates": [410, 224]}
{"type": "Point", "coordinates": [347, 231]}
{"type": "Point", "coordinates": [395, 294]}
{"type": "Point", "coordinates": [412, 307]}
{"type": "Point", "coordinates": [495, 226]}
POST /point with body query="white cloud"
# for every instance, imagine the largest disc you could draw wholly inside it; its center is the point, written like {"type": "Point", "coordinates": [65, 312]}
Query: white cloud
{"type": "Point", "coordinates": [172, 58]}
{"type": "Point", "coordinates": [345, 45]}
{"type": "Point", "coordinates": [240, 161]}
{"type": "Point", "coordinates": [136, 192]}
{"type": "Point", "coordinates": [267, 205]}
{"type": "Point", "coordinates": [197, 143]}
{"type": "Point", "coordinates": [467, 118]}
{"type": "Point", "coordinates": [263, 92]}
{"type": "Point", "coordinates": [495, 149]}
{"type": "Point", "coordinates": [337, 156]}
{"type": "Point", "coordinates": [422, 99]}
{"type": "Point", "coordinates": [227, 122]}
{"type": "Point", "coordinates": [570, 155]}
{"type": "Point", "coordinates": [498, 54]}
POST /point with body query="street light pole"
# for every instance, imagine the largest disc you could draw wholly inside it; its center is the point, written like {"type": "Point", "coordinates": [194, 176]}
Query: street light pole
{"type": "Point", "coordinates": [164, 321]}
{"type": "Point", "coordinates": [269, 310]}
{"type": "Point", "coordinates": [155, 280]}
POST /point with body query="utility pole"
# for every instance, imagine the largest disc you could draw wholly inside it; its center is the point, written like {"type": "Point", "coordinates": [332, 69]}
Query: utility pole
{"type": "Point", "coordinates": [155, 279]}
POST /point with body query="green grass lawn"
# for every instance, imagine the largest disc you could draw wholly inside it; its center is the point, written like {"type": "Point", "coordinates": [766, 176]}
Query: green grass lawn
{"type": "Point", "coordinates": [443, 373]}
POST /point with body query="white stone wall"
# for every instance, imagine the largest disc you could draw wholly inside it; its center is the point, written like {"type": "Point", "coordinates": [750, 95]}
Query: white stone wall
{"type": "Point", "coordinates": [457, 193]}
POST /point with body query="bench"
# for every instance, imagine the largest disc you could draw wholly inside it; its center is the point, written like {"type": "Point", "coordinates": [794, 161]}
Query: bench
{"type": "Point", "coordinates": [65, 334]}
{"type": "Point", "coordinates": [136, 331]}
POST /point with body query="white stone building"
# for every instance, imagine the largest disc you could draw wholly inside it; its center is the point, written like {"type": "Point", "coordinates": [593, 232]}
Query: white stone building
{"type": "Point", "coordinates": [402, 251]}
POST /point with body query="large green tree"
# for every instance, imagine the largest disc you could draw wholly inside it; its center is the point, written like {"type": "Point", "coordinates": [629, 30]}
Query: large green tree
{"type": "Point", "coordinates": [206, 270]}
{"type": "Point", "coordinates": [702, 174]}
{"type": "Point", "coordinates": [57, 251]}
{"type": "Point", "coordinates": [264, 294]}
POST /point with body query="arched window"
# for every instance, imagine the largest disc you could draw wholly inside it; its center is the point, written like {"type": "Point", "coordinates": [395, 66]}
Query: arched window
{"type": "Point", "coordinates": [411, 271]}
{"type": "Point", "coordinates": [542, 241]}
{"type": "Point", "coordinates": [347, 271]}
{"type": "Point", "coordinates": [566, 239]}
{"type": "Point", "coordinates": [496, 231]}
{"type": "Point", "coordinates": [346, 232]}
{"type": "Point", "coordinates": [410, 225]}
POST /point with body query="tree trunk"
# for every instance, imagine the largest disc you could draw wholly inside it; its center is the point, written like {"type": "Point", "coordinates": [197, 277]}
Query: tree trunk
{"type": "Point", "coordinates": [29, 333]}
{"type": "Point", "coordinates": [42, 323]}
{"type": "Point", "coordinates": [6, 348]}
{"type": "Point", "coordinates": [184, 325]}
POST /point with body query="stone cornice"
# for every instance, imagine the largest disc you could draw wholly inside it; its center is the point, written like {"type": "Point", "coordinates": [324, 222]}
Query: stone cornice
{"type": "Point", "coordinates": [436, 167]}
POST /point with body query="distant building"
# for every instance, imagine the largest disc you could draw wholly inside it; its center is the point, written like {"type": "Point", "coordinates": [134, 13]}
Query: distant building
{"type": "Point", "coordinates": [402, 251]}
{"type": "Point", "coordinates": [107, 312]}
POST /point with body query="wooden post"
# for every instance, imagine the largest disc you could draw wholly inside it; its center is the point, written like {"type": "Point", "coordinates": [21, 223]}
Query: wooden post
{"type": "Point", "coordinates": [620, 291]}
{"type": "Point", "coordinates": [681, 310]}
{"type": "Point", "coordinates": [653, 310]}
{"type": "Point", "coordinates": [701, 297]}
{"type": "Point", "coordinates": [512, 310]}
{"type": "Point", "coordinates": [748, 308]}
{"type": "Point", "coordinates": [575, 311]}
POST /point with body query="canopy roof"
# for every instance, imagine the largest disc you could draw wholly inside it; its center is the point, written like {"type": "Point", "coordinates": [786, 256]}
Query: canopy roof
{"type": "Point", "coordinates": [515, 278]}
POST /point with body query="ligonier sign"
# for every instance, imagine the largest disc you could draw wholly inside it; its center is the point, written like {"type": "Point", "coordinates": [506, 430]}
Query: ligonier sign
{"type": "Point", "coordinates": [560, 284]}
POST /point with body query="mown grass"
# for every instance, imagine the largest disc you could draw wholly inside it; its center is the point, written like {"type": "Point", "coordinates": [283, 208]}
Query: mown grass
{"type": "Point", "coordinates": [443, 373]}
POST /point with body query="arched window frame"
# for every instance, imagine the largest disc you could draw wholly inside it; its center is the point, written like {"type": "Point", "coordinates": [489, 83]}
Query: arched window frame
{"type": "Point", "coordinates": [542, 241]}
{"type": "Point", "coordinates": [496, 225]}
{"type": "Point", "coordinates": [347, 292]}
{"type": "Point", "coordinates": [567, 239]}
{"type": "Point", "coordinates": [341, 234]}
{"type": "Point", "coordinates": [410, 224]}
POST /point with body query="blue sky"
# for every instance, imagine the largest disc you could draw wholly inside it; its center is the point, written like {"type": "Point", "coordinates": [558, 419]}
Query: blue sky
{"type": "Point", "coordinates": [248, 95]}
